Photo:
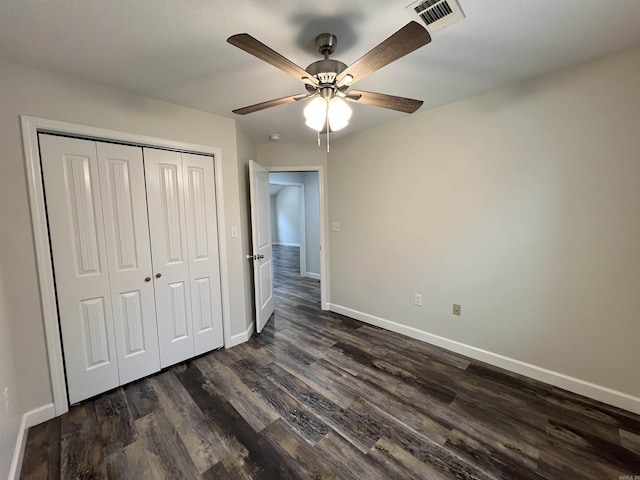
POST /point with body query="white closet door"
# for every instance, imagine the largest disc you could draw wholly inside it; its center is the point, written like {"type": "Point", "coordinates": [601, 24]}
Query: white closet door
{"type": "Point", "coordinates": [167, 226]}
{"type": "Point", "coordinates": [74, 209]}
{"type": "Point", "coordinates": [129, 256]}
{"type": "Point", "coordinates": [202, 241]}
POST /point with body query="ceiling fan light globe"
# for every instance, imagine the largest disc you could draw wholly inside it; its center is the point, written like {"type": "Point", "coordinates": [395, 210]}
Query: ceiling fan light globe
{"type": "Point", "coordinates": [339, 113]}
{"type": "Point", "coordinates": [318, 126]}
{"type": "Point", "coordinates": [335, 126]}
{"type": "Point", "coordinates": [315, 113]}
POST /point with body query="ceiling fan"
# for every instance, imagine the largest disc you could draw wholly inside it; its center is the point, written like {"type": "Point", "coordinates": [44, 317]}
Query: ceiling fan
{"type": "Point", "coordinates": [328, 81]}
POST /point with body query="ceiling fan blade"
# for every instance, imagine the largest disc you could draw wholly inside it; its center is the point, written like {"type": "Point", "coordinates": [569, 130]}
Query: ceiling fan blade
{"type": "Point", "coordinates": [246, 42]}
{"type": "Point", "coordinates": [401, 104]}
{"type": "Point", "coordinates": [269, 103]}
{"type": "Point", "coordinates": [409, 38]}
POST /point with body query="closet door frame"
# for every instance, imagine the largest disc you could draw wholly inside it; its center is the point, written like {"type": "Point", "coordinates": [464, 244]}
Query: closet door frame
{"type": "Point", "coordinates": [31, 127]}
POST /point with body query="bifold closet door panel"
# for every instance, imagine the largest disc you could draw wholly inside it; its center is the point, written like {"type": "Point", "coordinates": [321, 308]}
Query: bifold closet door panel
{"type": "Point", "coordinates": [76, 230]}
{"type": "Point", "coordinates": [129, 255]}
{"type": "Point", "coordinates": [167, 227]}
{"type": "Point", "coordinates": [204, 260]}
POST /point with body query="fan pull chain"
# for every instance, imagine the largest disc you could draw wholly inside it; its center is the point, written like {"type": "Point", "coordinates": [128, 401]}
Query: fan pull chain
{"type": "Point", "coordinates": [327, 118]}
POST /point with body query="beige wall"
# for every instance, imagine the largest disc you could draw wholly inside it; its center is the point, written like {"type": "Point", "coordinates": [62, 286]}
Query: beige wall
{"type": "Point", "coordinates": [312, 204]}
{"type": "Point", "coordinates": [275, 154]}
{"type": "Point", "coordinates": [522, 204]}
{"type": "Point", "coordinates": [23, 362]}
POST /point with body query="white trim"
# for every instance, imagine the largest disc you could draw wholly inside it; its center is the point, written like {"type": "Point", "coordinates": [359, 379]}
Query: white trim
{"type": "Point", "coordinates": [324, 241]}
{"type": "Point", "coordinates": [315, 276]}
{"type": "Point", "coordinates": [285, 244]}
{"type": "Point", "coordinates": [222, 251]}
{"type": "Point", "coordinates": [31, 126]}
{"type": "Point", "coordinates": [29, 419]}
{"type": "Point", "coordinates": [560, 380]}
{"type": "Point", "coordinates": [239, 338]}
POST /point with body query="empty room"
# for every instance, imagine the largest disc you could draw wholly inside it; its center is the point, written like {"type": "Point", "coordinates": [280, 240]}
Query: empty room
{"type": "Point", "coordinates": [337, 240]}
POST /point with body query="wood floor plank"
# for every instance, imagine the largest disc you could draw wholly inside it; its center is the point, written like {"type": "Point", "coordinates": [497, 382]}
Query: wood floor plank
{"type": "Point", "coordinates": [81, 444]}
{"type": "Point", "coordinates": [251, 406]}
{"type": "Point", "coordinates": [363, 425]}
{"type": "Point", "coordinates": [403, 412]}
{"type": "Point", "coordinates": [115, 421]}
{"type": "Point", "coordinates": [295, 414]}
{"type": "Point", "coordinates": [400, 464]}
{"type": "Point", "coordinates": [202, 442]}
{"type": "Point", "coordinates": [630, 441]}
{"type": "Point", "coordinates": [496, 462]}
{"type": "Point", "coordinates": [419, 351]}
{"type": "Point", "coordinates": [141, 398]}
{"type": "Point", "coordinates": [232, 467]}
{"type": "Point", "coordinates": [438, 391]}
{"type": "Point", "coordinates": [131, 463]}
{"type": "Point", "coordinates": [261, 460]}
{"type": "Point", "coordinates": [300, 456]}
{"type": "Point", "coordinates": [305, 394]}
{"type": "Point", "coordinates": [42, 458]}
{"type": "Point", "coordinates": [349, 462]}
{"type": "Point", "coordinates": [166, 454]}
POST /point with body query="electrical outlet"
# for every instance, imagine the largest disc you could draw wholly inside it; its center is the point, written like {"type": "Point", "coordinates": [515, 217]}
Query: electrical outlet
{"type": "Point", "coordinates": [6, 400]}
{"type": "Point", "coordinates": [456, 309]}
{"type": "Point", "coordinates": [417, 299]}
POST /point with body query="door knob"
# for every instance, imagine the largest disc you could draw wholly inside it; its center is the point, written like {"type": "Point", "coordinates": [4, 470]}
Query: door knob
{"type": "Point", "coordinates": [158, 275]}
{"type": "Point", "coordinates": [147, 279]}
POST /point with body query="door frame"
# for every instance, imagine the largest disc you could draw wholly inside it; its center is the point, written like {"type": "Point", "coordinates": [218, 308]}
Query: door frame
{"type": "Point", "coordinates": [31, 127]}
{"type": "Point", "coordinates": [324, 244]}
{"type": "Point", "coordinates": [302, 221]}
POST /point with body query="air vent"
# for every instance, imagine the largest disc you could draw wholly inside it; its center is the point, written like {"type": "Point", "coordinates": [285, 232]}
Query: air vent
{"type": "Point", "coordinates": [435, 14]}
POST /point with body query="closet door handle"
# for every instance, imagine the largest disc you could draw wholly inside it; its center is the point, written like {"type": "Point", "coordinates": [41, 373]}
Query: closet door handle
{"type": "Point", "coordinates": [147, 279]}
{"type": "Point", "coordinates": [158, 275]}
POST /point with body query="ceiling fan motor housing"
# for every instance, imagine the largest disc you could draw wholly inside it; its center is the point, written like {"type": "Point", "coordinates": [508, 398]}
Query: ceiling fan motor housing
{"type": "Point", "coordinates": [325, 70]}
{"type": "Point", "coordinates": [326, 44]}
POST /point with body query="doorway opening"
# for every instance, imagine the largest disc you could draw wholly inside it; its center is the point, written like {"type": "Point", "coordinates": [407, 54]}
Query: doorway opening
{"type": "Point", "coordinates": [296, 233]}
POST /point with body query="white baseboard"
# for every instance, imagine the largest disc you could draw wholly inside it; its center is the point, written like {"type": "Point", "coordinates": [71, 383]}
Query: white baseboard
{"type": "Point", "coordinates": [239, 338]}
{"type": "Point", "coordinates": [29, 419]}
{"type": "Point", "coordinates": [315, 276]}
{"type": "Point", "coordinates": [575, 385]}
{"type": "Point", "coordinates": [284, 244]}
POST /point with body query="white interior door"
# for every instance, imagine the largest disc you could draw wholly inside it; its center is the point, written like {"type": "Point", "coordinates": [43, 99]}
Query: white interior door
{"type": "Point", "coordinates": [170, 258]}
{"type": "Point", "coordinates": [76, 229]}
{"type": "Point", "coordinates": [129, 255]}
{"type": "Point", "coordinates": [261, 239]}
{"type": "Point", "coordinates": [202, 241]}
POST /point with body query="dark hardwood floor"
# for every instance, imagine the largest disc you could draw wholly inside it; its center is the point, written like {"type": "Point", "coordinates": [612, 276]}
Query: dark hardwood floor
{"type": "Point", "coordinates": [319, 395]}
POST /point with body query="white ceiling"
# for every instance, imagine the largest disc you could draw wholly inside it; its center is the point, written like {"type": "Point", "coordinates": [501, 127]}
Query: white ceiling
{"type": "Point", "coordinates": [176, 50]}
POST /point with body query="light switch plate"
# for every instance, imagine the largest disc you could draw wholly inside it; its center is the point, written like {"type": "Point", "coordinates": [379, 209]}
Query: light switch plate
{"type": "Point", "coordinates": [234, 232]}
{"type": "Point", "coordinates": [457, 309]}
{"type": "Point", "coordinates": [335, 226]}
